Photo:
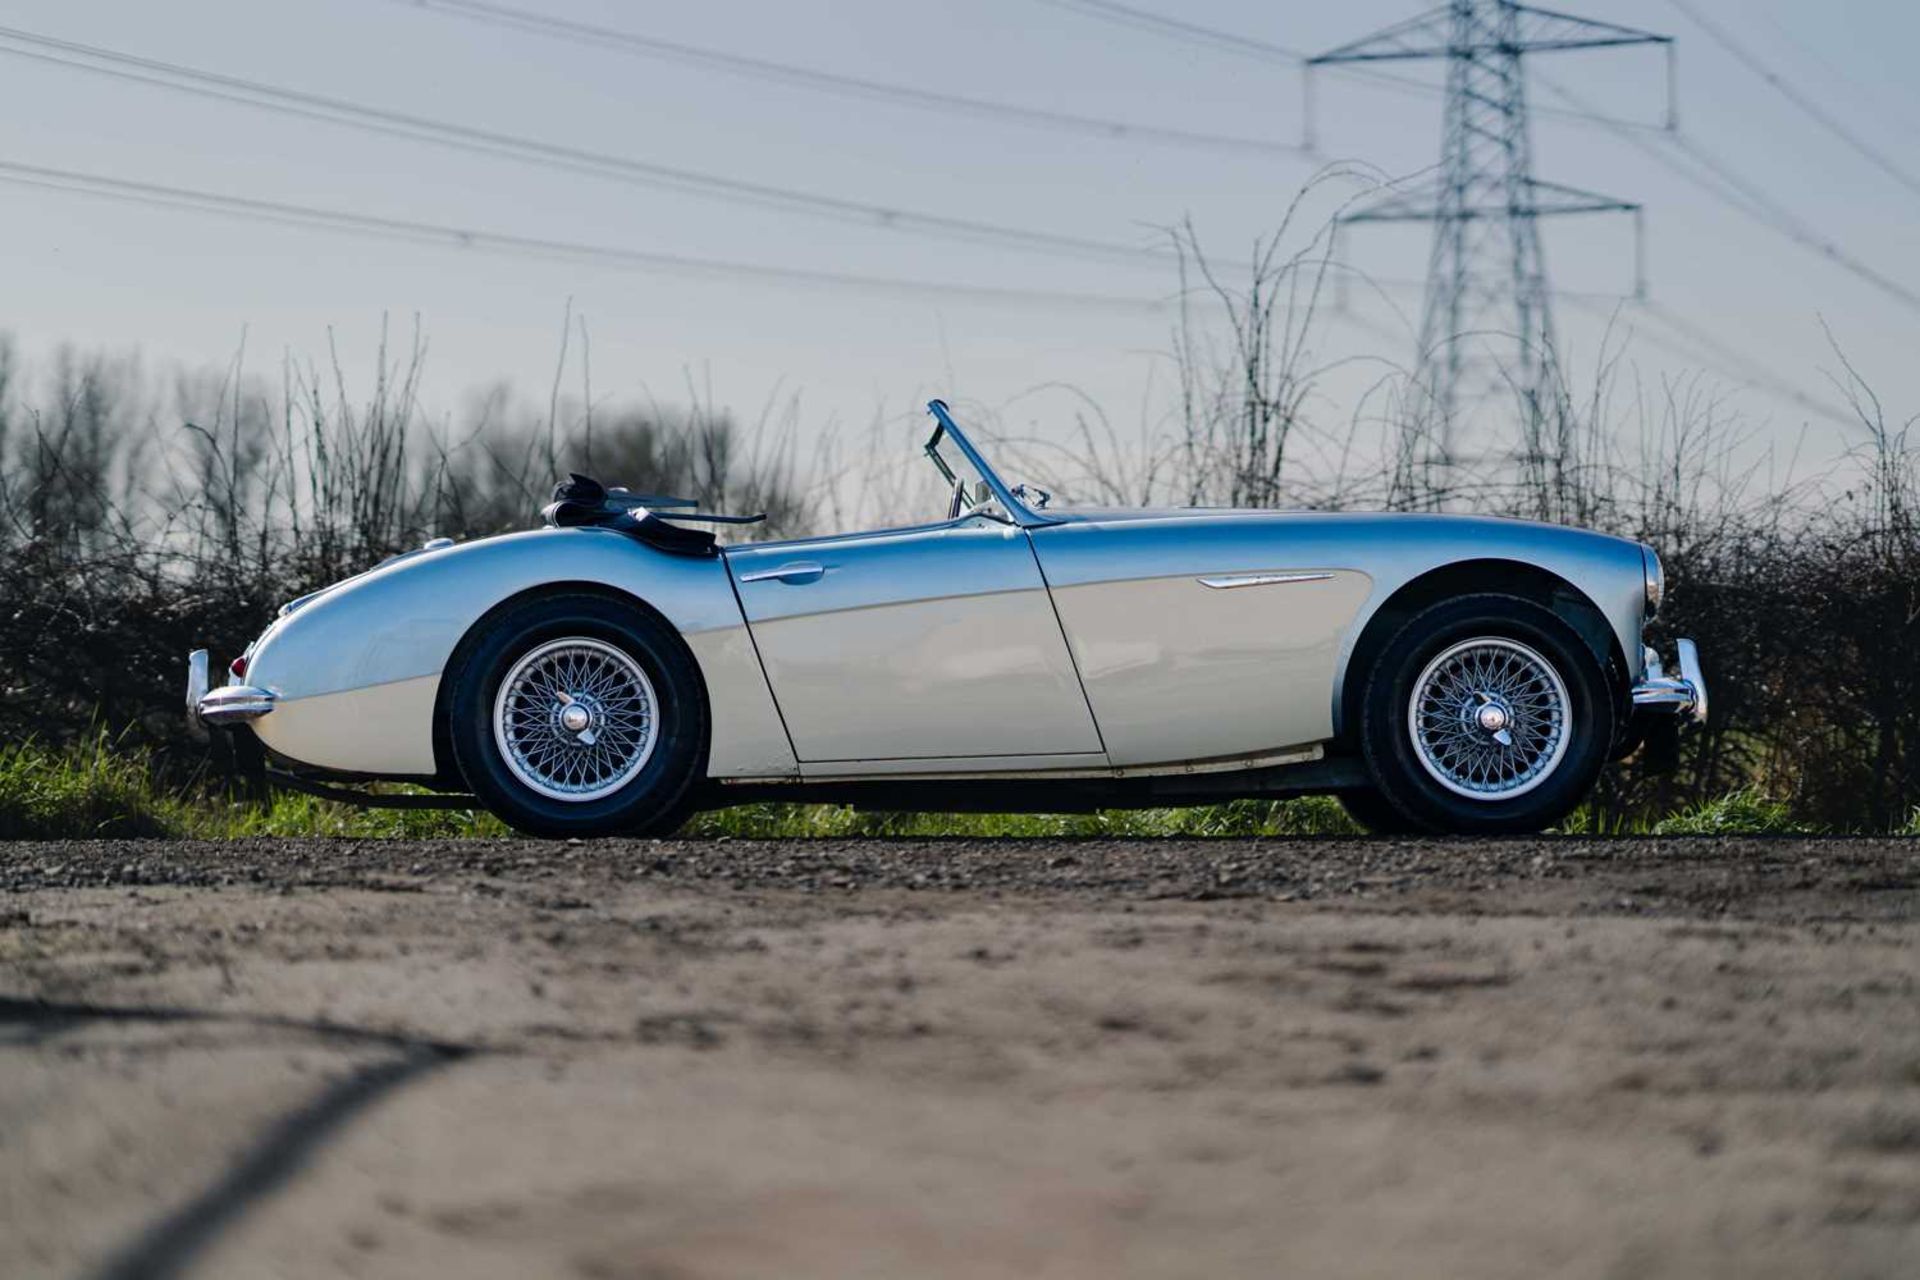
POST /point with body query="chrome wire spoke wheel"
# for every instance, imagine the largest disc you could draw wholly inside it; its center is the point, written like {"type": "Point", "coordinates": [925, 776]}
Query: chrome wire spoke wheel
{"type": "Point", "coordinates": [576, 719]}
{"type": "Point", "coordinates": [1489, 718]}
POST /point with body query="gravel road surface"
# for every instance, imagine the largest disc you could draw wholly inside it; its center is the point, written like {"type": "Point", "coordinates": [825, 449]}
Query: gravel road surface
{"type": "Point", "coordinates": [693, 1060]}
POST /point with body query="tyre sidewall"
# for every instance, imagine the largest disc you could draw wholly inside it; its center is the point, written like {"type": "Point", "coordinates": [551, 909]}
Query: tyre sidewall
{"type": "Point", "coordinates": [657, 792]}
{"type": "Point", "coordinates": [1375, 815]}
{"type": "Point", "coordinates": [1389, 751]}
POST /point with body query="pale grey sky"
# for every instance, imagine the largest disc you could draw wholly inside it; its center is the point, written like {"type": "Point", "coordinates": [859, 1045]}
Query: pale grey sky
{"type": "Point", "coordinates": [182, 286]}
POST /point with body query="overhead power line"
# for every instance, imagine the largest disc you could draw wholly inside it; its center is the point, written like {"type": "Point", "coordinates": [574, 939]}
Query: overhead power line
{"type": "Point", "coordinates": [1744, 366]}
{"type": "Point", "coordinates": [1219, 41]}
{"type": "Point", "coordinates": [633, 42]}
{"type": "Point", "coordinates": [1700, 345]}
{"type": "Point", "coordinates": [1871, 95]}
{"type": "Point", "coordinates": [1179, 29]}
{"type": "Point", "coordinates": [1819, 114]}
{"type": "Point", "coordinates": [1723, 182]}
{"type": "Point", "coordinates": [405, 230]}
{"type": "Point", "coordinates": [339, 111]}
{"type": "Point", "coordinates": [308, 217]}
{"type": "Point", "coordinates": [1707, 171]}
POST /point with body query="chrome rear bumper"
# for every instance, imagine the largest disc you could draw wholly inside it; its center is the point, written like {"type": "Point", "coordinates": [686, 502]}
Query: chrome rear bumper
{"type": "Point", "coordinates": [233, 704]}
{"type": "Point", "coordinates": [1683, 695]}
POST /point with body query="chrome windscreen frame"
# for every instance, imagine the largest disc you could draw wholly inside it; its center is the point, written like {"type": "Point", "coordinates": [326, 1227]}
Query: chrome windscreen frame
{"type": "Point", "coordinates": [1023, 515]}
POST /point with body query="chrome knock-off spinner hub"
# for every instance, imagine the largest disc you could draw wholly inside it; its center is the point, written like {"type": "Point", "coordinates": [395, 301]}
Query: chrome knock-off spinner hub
{"type": "Point", "coordinates": [1489, 718]}
{"type": "Point", "coordinates": [1492, 717]}
{"type": "Point", "coordinates": [576, 719]}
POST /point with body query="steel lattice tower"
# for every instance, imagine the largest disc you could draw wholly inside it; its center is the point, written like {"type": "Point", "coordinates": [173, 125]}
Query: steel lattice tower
{"type": "Point", "coordinates": [1487, 284]}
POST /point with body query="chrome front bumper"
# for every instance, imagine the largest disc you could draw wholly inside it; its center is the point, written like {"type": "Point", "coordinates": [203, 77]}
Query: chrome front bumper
{"type": "Point", "coordinates": [1683, 695]}
{"type": "Point", "coordinates": [233, 704]}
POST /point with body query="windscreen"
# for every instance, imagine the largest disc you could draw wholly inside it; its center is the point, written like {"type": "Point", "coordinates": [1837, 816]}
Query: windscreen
{"type": "Point", "coordinates": [964, 483]}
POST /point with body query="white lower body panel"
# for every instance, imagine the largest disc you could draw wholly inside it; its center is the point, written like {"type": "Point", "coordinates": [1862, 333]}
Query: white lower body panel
{"type": "Point", "coordinates": [382, 728]}
{"type": "Point", "coordinates": [1177, 670]}
{"type": "Point", "coordinates": [749, 741]}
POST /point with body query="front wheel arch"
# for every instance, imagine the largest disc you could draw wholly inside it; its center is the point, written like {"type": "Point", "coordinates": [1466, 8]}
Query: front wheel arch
{"type": "Point", "coordinates": [1475, 577]}
{"type": "Point", "coordinates": [1555, 698]}
{"type": "Point", "coordinates": [445, 765]}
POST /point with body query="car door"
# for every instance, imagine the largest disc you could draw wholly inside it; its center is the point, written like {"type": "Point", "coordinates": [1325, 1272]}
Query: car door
{"type": "Point", "coordinates": [931, 644]}
{"type": "Point", "coordinates": [1206, 637]}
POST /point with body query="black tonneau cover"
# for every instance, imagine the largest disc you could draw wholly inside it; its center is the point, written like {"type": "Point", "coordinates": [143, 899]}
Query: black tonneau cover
{"type": "Point", "coordinates": [583, 502]}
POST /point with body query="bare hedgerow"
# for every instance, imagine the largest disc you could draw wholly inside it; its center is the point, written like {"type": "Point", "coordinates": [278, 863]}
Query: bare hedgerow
{"type": "Point", "coordinates": [1805, 590]}
{"type": "Point", "coordinates": [138, 521]}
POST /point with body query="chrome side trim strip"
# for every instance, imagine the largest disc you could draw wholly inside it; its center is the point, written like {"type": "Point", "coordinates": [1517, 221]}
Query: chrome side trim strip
{"type": "Point", "coordinates": [1228, 582]}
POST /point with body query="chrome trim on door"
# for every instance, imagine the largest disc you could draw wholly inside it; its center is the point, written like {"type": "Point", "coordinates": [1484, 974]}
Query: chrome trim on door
{"type": "Point", "coordinates": [798, 571]}
{"type": "Point", "coordinates": [1228, 582]}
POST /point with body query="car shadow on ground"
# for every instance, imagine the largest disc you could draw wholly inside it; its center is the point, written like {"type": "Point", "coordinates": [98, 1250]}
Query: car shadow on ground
{"type": "Point", "coordinates": [167, 1246]}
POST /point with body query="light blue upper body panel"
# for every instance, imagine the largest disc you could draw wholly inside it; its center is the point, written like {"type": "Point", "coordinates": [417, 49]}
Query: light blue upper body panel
{"type": "Point", "coordinates": [1090, 545]}
{"type": "Point", "coordinates": [404, 619]}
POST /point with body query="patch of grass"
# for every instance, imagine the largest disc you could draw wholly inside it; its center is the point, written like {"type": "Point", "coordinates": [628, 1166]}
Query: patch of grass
{"type": "Point", "coordinates": [1591, 820]}
{"type": "Point", "coordinates": [88, 789]}
{"type": "Point", "coordinates": [1309, 816]}
{"type": "Point", "coordinates": [294, 814]}
{"type": "Point", "coordinates": [101, 787]}
{"type": "Point", "coordinates": [1739, 813]}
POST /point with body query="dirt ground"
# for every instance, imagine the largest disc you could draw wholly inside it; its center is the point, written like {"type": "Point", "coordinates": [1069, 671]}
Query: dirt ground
{"type": "Point", "coordinates": [681, 1060]}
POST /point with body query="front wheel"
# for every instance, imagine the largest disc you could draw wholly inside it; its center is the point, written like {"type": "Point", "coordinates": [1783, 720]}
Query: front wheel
{"type": "Point", "coordinates": [1486, 714]}
{"type": "Point", "coordinates": [578, 715]}
{"type": "Point", "coordinates": [1372, 813]}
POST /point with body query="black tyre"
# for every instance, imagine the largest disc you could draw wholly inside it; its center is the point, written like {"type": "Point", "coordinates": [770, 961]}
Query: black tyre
{"type": "Point", "coordinates": [579, 715]}
{"type": "Point", "coordinates": [1486, 714]}
{"type": "Point", "coordinates": [1375, 815]}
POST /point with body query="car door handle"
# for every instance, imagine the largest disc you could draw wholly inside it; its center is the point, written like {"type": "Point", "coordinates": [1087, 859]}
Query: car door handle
{"type": "Point", "coordinates": [797, 572]}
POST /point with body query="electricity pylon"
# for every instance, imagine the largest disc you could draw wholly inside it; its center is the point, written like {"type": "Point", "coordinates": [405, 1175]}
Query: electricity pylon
{"type": "Point", "coordinates": [1487, 277]}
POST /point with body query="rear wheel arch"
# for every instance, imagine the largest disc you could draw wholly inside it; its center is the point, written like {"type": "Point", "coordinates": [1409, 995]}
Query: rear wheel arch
{"type": "Point", "coordinates": [1472, 577]}
{"type": "Point", "coordinates": [443, 756]}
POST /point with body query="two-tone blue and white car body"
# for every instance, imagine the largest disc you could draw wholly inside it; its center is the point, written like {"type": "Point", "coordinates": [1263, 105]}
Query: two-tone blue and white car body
{"type": "Point", "coordinates": [1011, 654]}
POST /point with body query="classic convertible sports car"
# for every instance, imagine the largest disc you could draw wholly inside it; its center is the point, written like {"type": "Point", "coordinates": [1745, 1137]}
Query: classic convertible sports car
{"type": "Point", "coordinates": [618, 669]}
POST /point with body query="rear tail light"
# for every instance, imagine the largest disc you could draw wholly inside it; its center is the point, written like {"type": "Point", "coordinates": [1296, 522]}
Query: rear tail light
{"type": "Point", "coordinates": [238, 667]}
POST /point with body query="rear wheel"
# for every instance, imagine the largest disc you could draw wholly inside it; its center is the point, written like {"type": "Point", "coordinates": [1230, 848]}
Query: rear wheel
{"type": "Point", "coordinates": [1486, 714]}
{"type": "Point", "coordinates": [579, 715]}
